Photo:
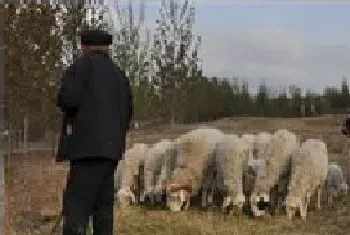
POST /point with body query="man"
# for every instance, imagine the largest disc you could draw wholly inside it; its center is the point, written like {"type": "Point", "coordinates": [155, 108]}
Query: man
{"type": "Point", "coordinates": [345, 130]}
{"type": "Point", "coordinates": [96, 98]}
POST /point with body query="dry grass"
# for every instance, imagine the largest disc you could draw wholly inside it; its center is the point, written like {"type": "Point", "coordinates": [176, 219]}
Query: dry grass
{"type": "Point", "coordinates": [34, 183]}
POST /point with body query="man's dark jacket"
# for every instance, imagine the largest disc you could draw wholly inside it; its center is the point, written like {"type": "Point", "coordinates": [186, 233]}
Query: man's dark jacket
{"type": "Point", "coordinates": [96, 98]}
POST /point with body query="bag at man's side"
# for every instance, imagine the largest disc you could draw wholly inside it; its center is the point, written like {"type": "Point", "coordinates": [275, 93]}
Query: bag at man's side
{"type": "Point", "coordinates": [68, 127]}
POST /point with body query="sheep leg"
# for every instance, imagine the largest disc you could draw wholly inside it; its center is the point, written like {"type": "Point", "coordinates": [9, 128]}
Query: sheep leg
{"type": "Point", "coordinates": [136, 189]}
{"type": "Point", "coordinates": [158, 196]}
{"type": "Point", "coordinates": [204, 197]}
{"type": "Point", "coordinates": [303, 209]}
{"type": "Point", "coordinates": [290, 213]}
{"type": "Point", "coordinates": [133, 198]}
{"type": "Point", "coordinates": [235, 210]}
{"type": "Point", "coordinates": [253, 204]}
{"type": "Point", "coordinates": [238, 204]}
{"type": "Point", "coordinates": [211, 196]}
{"type": "Point", "coordinates": [330, 199]}
{"type": "Point", "coordinates": [318, 198]}
{"type": "Point", "coordinates": [226, 204]}
{"type": "Point", "coordinates": [303, 212]}
{"type": "Point", "coordinates": [159, 189]}
{"type": "Point", "coordinates": [142, 197]}
{"type": "Point", "coordinates": [153, 199]}
{"type": "Point", "coordinates": [330, 196]}
{"type": "Point", "coordinates": [273, 201]}
{"type": "Point", "coordinates": [167, 201]}
{"type": "Point", "coordinates": [187, 205]}
{"type": "Point", "coordinates": [148, 196]}
{"type": "Point", "coordinates": [279, 204]}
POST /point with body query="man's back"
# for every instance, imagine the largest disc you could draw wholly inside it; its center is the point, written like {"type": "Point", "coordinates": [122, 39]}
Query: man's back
{"type": "Point", "coordinates": [103, 108]}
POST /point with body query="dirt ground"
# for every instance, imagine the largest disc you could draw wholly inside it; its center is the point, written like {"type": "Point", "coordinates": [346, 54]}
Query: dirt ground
{"type": "Point", "coordinates": [34, 184]}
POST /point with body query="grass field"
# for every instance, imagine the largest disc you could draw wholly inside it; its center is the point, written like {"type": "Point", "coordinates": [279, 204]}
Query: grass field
{"type": "Point", "coordinates": [34, 185]}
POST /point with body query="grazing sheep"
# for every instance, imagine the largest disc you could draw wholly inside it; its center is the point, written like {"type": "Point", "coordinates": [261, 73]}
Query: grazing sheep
{"type": "Point", "coordinates": [153, 165]}
{"type": "Point", "coordinates": [335, 184]}
{"type": "Point", "coordinates": [271, 182]}
{"type": "Point", "coordinates": [231, 157]}
{"type": "Point", "coordinates": [309, 172]}
{"type": "Point", "coordinates": [262, 140]}
{"type": "Point", "coordinates": [133, 161]}
{"type": "Point", "coordinates": [211, 181]}
{"type": "Point", "coordinates": [194, 155]}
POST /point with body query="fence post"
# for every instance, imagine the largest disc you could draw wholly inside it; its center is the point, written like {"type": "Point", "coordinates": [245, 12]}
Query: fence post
{"type": "Point", "coordinates": [56, 143]}
{"type": "Point", "coordinates": [53, 142]}
{"type": "Point", "coordinates": [25, 134]}
{"type": "Point", "coordinates": [9, 145]}
{"type": "Point", "coordinates": [19, 141]}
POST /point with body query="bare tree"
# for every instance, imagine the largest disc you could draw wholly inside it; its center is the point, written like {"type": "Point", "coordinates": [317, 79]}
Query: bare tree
{"type": "Point", "coordinates": [174, 54]}
{"type": "Point", "coordinates": [131, 51]}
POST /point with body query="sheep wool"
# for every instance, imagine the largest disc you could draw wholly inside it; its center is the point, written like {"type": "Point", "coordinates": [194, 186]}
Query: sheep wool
{"type": "Point", "coordinates": [262, 140]}
{"type": "Point", "coordinates": [167, 168]}
{"type": "Point", "coordinates": [194, 154]}
{"type": "Point", "coordinates": [335, 184]}
{"type": "Point", "coordinates": [309, 172]}
{"type": "Point", "coordinates": [231, 161]}
{"type": "Point", "coordinates": [277, 159]}
{"type": "Point", "coordinates": [134, 158]}
{"type": "Point", "coordinates": [155, 156]}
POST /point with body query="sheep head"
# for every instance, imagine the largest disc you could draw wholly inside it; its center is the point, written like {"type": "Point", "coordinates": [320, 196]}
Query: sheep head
{"type": "Point", "coordinates": [178, 197]}
{"type": "Point", "coordinates": [234, 203]}
{"type": "Point", "coordinates": [260, 197]}
{"type": "Point", "coordinates": [344, 189]}
{"type": "Point", "coordinates": [125, 197]}
{"type": "Point", "coordinates": [292, 204]}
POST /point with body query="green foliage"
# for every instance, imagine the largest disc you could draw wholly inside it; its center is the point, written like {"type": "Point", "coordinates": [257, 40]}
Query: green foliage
{"type": "Point", "coordinates": [31, 64]}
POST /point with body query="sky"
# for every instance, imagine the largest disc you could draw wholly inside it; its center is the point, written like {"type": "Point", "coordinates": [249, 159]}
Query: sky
{"type": "Point", "coordinates": [307, 44]}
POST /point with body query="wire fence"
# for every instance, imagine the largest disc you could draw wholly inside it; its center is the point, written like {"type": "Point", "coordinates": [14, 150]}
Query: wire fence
{"type": "Point", "coordinates": [27, 135]}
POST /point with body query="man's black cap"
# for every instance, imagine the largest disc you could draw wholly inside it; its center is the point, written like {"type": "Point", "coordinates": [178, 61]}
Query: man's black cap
{"type": "Point", "coordinates": [96, 38]}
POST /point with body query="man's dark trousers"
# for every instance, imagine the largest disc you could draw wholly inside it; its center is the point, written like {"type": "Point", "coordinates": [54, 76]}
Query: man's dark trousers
{"type": "Point", "coordinates": [89, 191]}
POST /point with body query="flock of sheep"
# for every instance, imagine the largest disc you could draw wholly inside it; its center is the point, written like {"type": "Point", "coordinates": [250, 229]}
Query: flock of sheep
{"type": "Point", "coordinates": [267, 172]}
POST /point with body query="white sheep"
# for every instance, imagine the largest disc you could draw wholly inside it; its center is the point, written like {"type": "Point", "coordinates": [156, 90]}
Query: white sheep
{"type": "Point", "coordinates": [156, 156]}
{"type": "Point", "coordinates": [270, 182]}
{"type": "Point", "coordinates": [194, 155]}
{"type": "Point", "coordinates": [335, 184]}
{"type": "Point", "coordinates": [308, 175]}
{"type": "Point", "coordinates": [214, 180]}
{"type": "Point", "coordinates": [262, 140]}
{"type": "Point", "coordinates": [133, 161]}
{"type": "Point", "coordinates": [231, 157]}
